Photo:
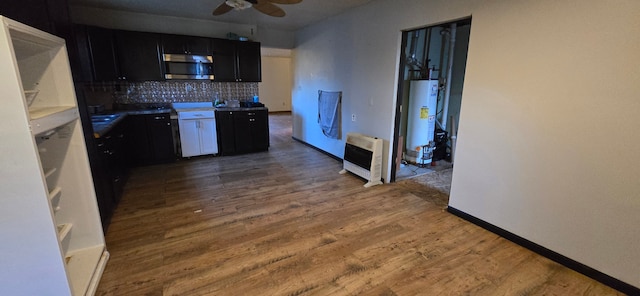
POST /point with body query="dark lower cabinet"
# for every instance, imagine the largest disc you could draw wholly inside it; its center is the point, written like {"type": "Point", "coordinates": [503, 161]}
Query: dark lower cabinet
{"type": "Point", "coordinates": [225, 132]}
{"type": "Point", "coordinates": [242, 131]}
{"type": "Point", "coordinates": [112, 153]}
{"type": "Point", "coordinates": [137, 140]}
{"type": "Point", "coordinates": [151, 139]}
{"type": "Point", "coordinates": [161, 137]}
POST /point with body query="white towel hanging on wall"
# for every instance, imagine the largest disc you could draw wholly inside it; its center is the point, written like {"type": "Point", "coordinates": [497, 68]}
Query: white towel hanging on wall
{"type": "Point", "coordinates": [329, 113]}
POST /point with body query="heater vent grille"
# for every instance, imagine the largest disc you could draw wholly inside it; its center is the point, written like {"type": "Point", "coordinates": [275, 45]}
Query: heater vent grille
{"type": "Point", "coordinates": [363, 157]}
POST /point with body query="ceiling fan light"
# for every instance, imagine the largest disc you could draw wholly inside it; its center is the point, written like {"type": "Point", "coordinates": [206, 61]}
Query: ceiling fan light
{"type": "Point", "coordinates": [238, 4]}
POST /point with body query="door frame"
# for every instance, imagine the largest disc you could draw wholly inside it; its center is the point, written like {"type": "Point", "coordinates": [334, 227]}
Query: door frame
{"type": "Point", "coordinates": [401, 89]}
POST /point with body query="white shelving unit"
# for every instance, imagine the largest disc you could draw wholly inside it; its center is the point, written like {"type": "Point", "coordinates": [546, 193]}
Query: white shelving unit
{"type": "Point", "coordinates": [52, 239]}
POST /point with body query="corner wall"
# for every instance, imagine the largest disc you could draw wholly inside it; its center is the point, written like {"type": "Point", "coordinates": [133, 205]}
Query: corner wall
{"type": "Point", "coordinates": [548, 140]}
{"type": "Point", "coordinates": [546, 145]}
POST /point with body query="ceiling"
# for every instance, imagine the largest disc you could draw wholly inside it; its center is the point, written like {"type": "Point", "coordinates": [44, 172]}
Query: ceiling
{"type": "Point", "coordinates": [298, 15]}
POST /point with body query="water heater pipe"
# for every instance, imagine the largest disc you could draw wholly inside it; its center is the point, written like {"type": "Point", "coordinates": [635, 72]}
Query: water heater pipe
{"type": "Point", "coordinates": [454, 138]}
{"type": "Point", "coordinates": [447, 90]}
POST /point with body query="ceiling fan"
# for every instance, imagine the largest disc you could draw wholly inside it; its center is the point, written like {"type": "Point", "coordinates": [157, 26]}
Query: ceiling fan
{"type": "Point", "coordinates": [265, 6]}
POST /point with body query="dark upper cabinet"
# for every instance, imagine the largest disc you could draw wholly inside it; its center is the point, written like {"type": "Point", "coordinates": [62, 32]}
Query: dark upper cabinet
{"type": "Point", "coordinates": [138, 55]}
{"type": "Point", "coordinates": [224, 60]}
{"type": "Point", "coordinates": [186, 44]}
{"type": "Point", "coordinates": [236, 61]}
{"type": "Point", "coordinates": [51, 16]}
{"type": "Point", "coordinates": [102, 54]}
{"type": "Point", "coordinates": [111, 55]}
{"type": "Point", "coordinates": [249, 61]}
{"type": "Point", "coordinates": [97, 56]}
{"type": "Point", "coordinates": [34, 13]}
{"type": "Point", "coordinates": [81, 65]}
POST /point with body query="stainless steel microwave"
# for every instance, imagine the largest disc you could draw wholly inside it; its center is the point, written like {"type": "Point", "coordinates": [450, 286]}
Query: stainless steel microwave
{"type": "Point", "coordinates": [183, 66]}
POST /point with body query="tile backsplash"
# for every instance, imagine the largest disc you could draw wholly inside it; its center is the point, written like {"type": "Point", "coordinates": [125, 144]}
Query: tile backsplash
{"type": "Point", "coordinates": [173, 91]}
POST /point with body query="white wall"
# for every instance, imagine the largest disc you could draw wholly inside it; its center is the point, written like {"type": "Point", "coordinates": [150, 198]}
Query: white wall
{"type": "Point", "coordinates": [547, 146]}
{"type": "Point", "coordinates": [550, 109]}
{"type": "Point", "coordinates": [358, 53]}
{"type": "Point", "coordinates": [277, 79]}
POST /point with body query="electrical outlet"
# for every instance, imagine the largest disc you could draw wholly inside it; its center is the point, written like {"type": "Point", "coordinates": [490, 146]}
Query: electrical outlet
{"type": "Point", "coordinates": [353, 117]}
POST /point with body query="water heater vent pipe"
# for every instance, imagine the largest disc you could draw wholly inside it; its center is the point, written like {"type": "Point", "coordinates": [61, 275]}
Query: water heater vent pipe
{"type": "Point", "coordinates": [447, 90]}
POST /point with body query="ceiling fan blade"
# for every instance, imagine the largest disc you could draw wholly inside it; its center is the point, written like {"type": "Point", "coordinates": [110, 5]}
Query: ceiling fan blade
{"type": "Point", "coordinates": [285, 1]}
{"type": "Point", "coordinates": [222, 9]}
{"type": "Point", "coordinates": [269, 9]}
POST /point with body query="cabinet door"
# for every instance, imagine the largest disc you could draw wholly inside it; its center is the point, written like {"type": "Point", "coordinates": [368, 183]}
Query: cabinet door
{"type": "Point", "coordinates": [161, 137]}
{"type": "Point", "coordinates": [189, 137]}
{"type": "Point", "coordinates": [185, 44]}
{"type": "Point", "coordinates": [260, 130]}
{"type": "Point", "coordinates": [226, 137]}
{"type": "Point", "coordinates": [200, 45]}
{"type": "Point", "coordinates": [249, 62]}
{"type": "Point", "coordinates": [224, 60]}
{"type": "Point", "coordinates": [29, 12]}
{"type": "Point", "coordinates": [243, 134]}
{"type": "Point", "coordinates": [81, 65]}
{"type": "Point", "coordinates": [138, 56]}
{"type": "Point", "coordinates": [117, 158]}
{"type": "Point", "coordinates": [173, 44]}
{"type": "Point", "coordinates": [207, 133]}
{"type": "Point", "coordinates": [102, 54]}
{"type": "Point", "coordinates": [102, 182]}
{"type": "Point", "coordinates": [138, 150]}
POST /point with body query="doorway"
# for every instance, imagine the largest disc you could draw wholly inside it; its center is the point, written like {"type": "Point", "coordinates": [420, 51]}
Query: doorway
{"type": "Point", "coordinates": [430, 82]}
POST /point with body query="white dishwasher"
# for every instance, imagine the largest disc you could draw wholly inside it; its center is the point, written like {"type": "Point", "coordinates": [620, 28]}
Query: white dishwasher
{"type": "Point", "coordinates": [197, 128]}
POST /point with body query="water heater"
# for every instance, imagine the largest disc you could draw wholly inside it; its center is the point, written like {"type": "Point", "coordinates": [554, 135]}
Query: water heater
{"type": "Point", "coordinates": [421, 120]}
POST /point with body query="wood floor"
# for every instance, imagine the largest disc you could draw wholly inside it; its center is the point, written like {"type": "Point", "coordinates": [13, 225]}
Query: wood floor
{"type": "Point", "coordinates": [284, 222]}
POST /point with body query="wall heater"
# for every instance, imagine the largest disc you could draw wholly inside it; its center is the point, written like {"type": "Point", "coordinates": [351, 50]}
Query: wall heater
{"type": "Point", "coordinates": [363, 157]}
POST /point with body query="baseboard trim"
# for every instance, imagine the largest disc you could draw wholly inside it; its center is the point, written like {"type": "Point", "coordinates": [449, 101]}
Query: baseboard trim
{"type": "Point", "coordinates": [566, 261]}
{"type": "Point", "coordinates": [316, 148]}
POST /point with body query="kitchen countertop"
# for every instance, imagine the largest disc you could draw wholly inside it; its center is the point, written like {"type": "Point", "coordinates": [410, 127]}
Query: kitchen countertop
{"type": "Point", "coordinates": [103, 127]}
{"type": "Point", "coordinates": [241, 108]}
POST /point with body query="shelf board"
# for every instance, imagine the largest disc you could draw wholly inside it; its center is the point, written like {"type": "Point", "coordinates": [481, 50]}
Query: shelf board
{"type": "Point", "coordinates": [54, 198]}
{"type": "Point", "coordinates": [64, 230]}
{"type": "Point", "coordinates": [49, 172]}
{"type": "Point", "coordinates": [49, 118]}
{"type": "Point", "coordinates": [55, 193]}
{"type": "Point", "coordinates": [85, 267]}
